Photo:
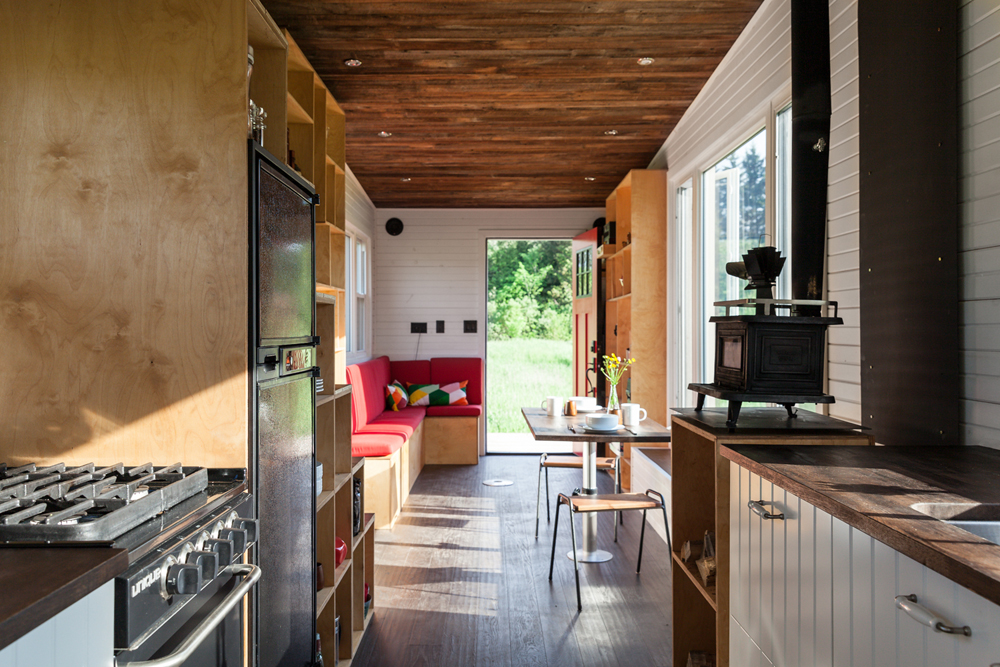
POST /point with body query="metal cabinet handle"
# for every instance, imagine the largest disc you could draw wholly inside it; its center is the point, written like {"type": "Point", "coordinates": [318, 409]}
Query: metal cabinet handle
{"type": "Point", "coordinates": [251, 575]}
{"type": "Point", "coordinates": [757, 507]}
{"type": "Point", "coordinates": [925, 616]}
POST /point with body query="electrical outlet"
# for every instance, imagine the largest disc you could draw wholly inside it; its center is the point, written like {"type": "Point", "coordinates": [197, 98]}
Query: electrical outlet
{"type": "Point", "coordinates": [440, 326]}
{"type": "Point", "coordinates": [418, 327]}
{"type": "Point", "coordinates": [469, 326]}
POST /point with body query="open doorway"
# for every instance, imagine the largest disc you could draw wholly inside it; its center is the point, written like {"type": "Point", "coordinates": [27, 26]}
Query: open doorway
{"type": "Point", "coordinates": [529, 337]}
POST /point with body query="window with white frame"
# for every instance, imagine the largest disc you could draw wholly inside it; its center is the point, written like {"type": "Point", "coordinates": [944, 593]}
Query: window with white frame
{"type": "Point", "coordinates": [357, 307]}
{"type": "Point", "coordinates": [725, 205]}
{"type": "Point", "coordinates": [734, 192]}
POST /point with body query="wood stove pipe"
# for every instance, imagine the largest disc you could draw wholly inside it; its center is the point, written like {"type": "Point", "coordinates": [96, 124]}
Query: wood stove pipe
{"type": "Point", "coordinates": [810, 147]}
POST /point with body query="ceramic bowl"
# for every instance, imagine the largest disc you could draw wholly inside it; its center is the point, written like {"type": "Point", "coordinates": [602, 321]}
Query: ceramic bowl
{"type": "Point", "coordinates": [602, 422]}
{"type": "Point", "coordinates": [585, 402]}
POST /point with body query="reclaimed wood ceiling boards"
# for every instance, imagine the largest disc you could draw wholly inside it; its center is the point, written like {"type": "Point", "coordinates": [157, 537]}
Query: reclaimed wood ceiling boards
{"type": "Point", "coordinates": [507, 104]}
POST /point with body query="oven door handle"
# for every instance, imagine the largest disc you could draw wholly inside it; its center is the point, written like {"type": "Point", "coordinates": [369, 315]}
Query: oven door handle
{"type": "Point", "coordinates": [251, 574]}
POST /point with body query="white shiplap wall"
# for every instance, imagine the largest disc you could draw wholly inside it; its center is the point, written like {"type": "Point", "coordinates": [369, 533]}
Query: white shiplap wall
{"type": "Point", "coordinates": [843, 213]}
{"type": "Point", "coordinates": [360, 209]}
{"type": "Point", "coordinates": [979, 210]}
{"type": "Point", "coordinates": [436, 270]}
{"type": "Point", "coordinates": [752, 80]}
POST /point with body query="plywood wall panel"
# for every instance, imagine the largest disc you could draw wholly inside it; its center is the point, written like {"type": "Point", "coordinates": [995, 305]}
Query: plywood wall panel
{"type": "Point", "coordinates": [124, 275]}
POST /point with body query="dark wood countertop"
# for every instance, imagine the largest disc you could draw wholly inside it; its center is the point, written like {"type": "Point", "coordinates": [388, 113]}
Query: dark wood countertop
{"type": "Point", "coordinates": [40, 581]}
{"type": "Point", "coordinates": [874, 488]}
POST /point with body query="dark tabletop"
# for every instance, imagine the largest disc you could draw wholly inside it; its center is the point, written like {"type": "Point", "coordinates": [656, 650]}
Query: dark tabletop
{"type": "Point", "coordinates": [544, 427]}
{"type": "Point", "coordinates": [38, 582]}
{"type": "Point", "coordinates": [874, 488]}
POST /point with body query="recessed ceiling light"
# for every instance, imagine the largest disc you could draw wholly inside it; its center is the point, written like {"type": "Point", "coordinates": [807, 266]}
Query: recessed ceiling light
{"type": "Point", "coordinates": [589, 178]}
{"type": "Point", "coordinates": [384, 134]}
{"type": "Point", "coordinates": [645, 61]}
{"type": "Point", "coordinates": [611, 132]}
{"type": "Point", "coordinates": [406, 179]}
{"type": "Point", "coordinates": [352, 62]}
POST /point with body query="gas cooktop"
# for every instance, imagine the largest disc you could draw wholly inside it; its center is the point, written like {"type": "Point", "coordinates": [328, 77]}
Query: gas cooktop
{"type": "Point", "coordinates": [89, 503]}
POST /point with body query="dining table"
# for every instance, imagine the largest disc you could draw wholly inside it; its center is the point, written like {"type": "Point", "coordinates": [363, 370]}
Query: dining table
{"type": "Point", "coordinates": [566, 428]}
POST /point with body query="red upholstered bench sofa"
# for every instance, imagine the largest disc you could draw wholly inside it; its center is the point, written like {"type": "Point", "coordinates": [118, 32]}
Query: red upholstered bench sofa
{"type": "Point", "coordinates": [397, 445]}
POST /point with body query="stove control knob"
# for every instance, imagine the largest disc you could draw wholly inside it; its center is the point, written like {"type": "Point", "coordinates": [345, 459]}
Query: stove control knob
{"type": "Point", "coordinates": [206, 561]}
{"type": "Point", "coordinates": [182, 580]}
{"type": "Point", "coordinates": [224, 548]}
{"type": "Point", "coordinates": [250, 526]}
{"type": "Point", "coordinates": [238, 538]}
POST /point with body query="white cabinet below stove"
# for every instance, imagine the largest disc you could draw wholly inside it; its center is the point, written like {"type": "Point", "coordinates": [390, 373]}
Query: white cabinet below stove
{"type": "Point", "coordinates": [809, 590]}
{"type": "Point", "coordinates": [82, 635]}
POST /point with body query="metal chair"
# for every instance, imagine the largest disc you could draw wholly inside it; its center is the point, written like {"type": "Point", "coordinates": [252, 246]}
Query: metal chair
{"type": "Point", "coordinates": [617, 502]}
{"type": "Point", "coordinates": [546, 462]}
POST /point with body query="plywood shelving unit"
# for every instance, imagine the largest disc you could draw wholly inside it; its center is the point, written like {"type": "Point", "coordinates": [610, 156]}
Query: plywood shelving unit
{"type": "Point", "coordinates": [316, 140]}
{"type": "Point", "coordinates": [305, 127]}
{"type": "Point", "coordinates": [635, 289]}
{"type": "Point", "coordinates": [315, 144]}
{"type": "Point", "coordinates": [700, 488]}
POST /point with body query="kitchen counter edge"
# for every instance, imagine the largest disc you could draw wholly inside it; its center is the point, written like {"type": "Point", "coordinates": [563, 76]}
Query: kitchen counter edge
{"type": "Point", "coordinates": [39, 581]}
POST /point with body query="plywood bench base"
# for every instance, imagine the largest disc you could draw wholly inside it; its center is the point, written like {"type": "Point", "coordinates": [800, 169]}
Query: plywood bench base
{"type": "Point", "coordinates": [388, 479]}
{"type": "Point", "coordinates": [451, 440]}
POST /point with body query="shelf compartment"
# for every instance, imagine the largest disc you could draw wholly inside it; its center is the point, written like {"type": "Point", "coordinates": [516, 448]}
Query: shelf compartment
{"type": "Point", "coordinates": [368, 523]}
{"type": "Point", "coordinates": [691, 570]}
{"type": "Point", "coordinates": [323, 399]}
{"type": "Point", "coordinates": [323, 597]}
{"type": "Point", "coordinates": [296, 114]}
{"type": "Point", "coordinates": [324, 253]}
{"type": "Point", "coordinates": [339, 480]}
{"type": "Point", "coordinates": [338, 574]}
{"type": "Point", "coordinates": [323, 498]}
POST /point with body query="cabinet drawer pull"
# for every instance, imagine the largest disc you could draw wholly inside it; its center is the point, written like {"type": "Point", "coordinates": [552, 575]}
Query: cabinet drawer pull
{"type": "Point", "coordinates": [757, 507]}
{"type": "Point", "coordinates": [925, 616]}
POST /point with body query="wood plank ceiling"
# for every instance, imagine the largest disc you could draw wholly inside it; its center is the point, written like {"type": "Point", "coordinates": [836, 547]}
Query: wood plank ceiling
{"type": "Point", "coordinates": [509, 104]}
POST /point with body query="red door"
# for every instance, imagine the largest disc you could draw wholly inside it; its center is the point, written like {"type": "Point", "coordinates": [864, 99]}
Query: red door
{"type": "Point", "coordinates": [584, 313]}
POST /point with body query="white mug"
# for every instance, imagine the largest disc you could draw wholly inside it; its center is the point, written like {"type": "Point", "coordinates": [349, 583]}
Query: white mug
{"type": "Point", "coordinates": [553, 406]}
{"type": "Point", "coordinates": [632, 414]}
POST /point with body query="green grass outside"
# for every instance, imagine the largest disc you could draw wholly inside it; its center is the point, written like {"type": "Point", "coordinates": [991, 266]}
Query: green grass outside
{"type": "Point", "coordinates": [521, 373]}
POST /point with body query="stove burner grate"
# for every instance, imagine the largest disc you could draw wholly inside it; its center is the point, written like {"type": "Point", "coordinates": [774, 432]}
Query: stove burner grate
{"type": "Point", "coordinates": [86, 503]}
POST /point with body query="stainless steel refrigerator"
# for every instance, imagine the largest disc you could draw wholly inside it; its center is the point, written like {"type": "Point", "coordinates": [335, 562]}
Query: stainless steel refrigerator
{"type": "Point", "coordinates": [283, 359]}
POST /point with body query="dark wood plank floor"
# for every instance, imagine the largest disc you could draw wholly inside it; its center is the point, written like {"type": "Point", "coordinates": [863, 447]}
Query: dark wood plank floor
{"type": "Point", "coordinates": [461, 580]}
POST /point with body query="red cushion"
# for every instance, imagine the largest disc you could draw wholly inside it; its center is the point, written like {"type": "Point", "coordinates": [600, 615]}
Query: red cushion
{"type": "Point", "coordinates": [369, 380]}
{"type": "Point", "coordinates": [375, 444]}
{"type": "Point", "coordinates": [456, 369]}
{"type": "Point", "coordinates": [417, 372]}
{"type": "Point", "coordinates": [454, 411]}
{"type": "Point", "coordinates": [404, 422]}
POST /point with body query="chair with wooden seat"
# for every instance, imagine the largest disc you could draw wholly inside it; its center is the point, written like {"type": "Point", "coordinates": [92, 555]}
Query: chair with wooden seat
{"type": "Point", "coordinates": [546, 462]}
{"type": "Point", "coordinates": [612, 502]}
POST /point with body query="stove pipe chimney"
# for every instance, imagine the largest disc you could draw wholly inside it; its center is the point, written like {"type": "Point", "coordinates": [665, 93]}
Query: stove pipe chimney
{"type": "Point", "coordinates": [810, 147]}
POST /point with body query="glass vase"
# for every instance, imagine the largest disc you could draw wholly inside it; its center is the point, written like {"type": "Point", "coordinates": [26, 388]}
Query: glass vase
{"type": "Point", "coordinates": [613, 403]}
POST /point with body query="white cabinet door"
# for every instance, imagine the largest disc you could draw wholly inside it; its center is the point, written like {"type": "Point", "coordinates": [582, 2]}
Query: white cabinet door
{"type": "Point", "coordinates": [811, 591]}
{"type": "Point", "coordinates": [883, 611]}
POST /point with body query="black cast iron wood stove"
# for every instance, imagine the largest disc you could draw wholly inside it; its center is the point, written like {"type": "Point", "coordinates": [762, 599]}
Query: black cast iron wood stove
{"type": "Point", "coordinates": [767, 357]}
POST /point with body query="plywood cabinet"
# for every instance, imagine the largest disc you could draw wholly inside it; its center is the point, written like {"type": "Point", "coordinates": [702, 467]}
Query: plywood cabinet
{"type": "Point", "coordinates": [810, 590]}
{"type": "Point", "coordinates": [124, 282]}
{"type": "Point", "coordinates": [751, 580]}
{"type": "Point", "coordinates": [633, 270]}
